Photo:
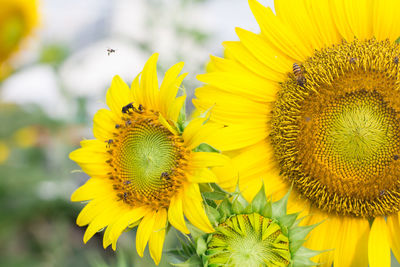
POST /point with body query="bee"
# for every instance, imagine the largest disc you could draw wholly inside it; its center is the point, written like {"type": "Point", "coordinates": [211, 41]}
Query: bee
{"type": "Point", "coordinates": [299, 74]}
{"type": "Point", "coordinates": [117, 126]}
{"type": "Point", "coordinates": [126, 108]}
{"type": "Point", "coordinates": [396, 60]}
{"type": "Point", "coordinates": [128, 122]}
{"type": "Point", "coordinates": [109, 142]}
{"type": "Point", "coordinates": [127, 182]}
{"type": "Point", "coordinates": [110, 51]}
{"type": "Point", "coordinates": [396, 157]}
{"type": "Point", "coordinates": [140, 107]}
{"type": "Point", "coordinates": [165, 175]}
{"type": "Point", "coordinates": [352, 60]}
{"type": "Point", "coordinates": [382, 193]}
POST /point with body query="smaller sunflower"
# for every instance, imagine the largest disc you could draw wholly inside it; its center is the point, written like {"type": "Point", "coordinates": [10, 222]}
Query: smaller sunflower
{"type": "Point", "coordinates": [143, 167]}
{"type": "Point", "coordinates": [257, 234]}
{"type": "Point", "coordinates": [17, 20]}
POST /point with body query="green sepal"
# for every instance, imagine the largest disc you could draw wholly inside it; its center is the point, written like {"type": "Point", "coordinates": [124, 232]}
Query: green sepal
{"type": "Point", "coordinates": [201, 246]}
{"type": "Point", "coordinates": [214, 195]}
{"type": "Point", "coordinates": [397, 41]}
{"type": "Point", "coordinates": [213, 215]}
{"type": "Point", "coordinates": [289, 219]}
{"type": "Point", "coordinates": [203, 147]}
{"type": "Point", "coordinates": [259, 201]}
{"type": "Point", "coordinates": [279, 207]}
{"type": "Point", "coordinates": [237, 207]}
{"type": "Point", "coordinates": [181, 122]}
{"type": "Point", "coordinates": [194, 261]}
{"type": "Point", "coordinates": [267, 210]}
{"type": "Point", "coordinates": [225, 208]}
{"type": "Point", "coordinates": [302, 257]}
{"type": "Point", "coordinates": [298, 235]}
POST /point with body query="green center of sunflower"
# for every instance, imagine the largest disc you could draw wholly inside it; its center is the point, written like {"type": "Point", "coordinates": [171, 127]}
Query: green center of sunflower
{"type": "Point", "coordinates": [146, 159]}
{"type": "Point", "coordinates": [336, 133]}
{"type": "Point", "coordinates": [248, 240]}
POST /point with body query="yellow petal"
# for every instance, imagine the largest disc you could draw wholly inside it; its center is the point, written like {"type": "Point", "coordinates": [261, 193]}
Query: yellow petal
{"type": "Point", "coordinates": [202, 175]}
{"type": "Point", "coordinates": [157, 237]}
{"type": "Point", "coordinates": [175, 213]}
{"type": "Point", "coordinates": [386, 21]}
{"type": "Point", "coordinates": [279, 34]}
{"type": "Point", "coordinates": [378, 244]}
{"type": "Point", "coordinates": [259, 47]}
{"type": "Point", "coordinates": [270, 66]}
{"type": "Point", "coordinates": [394, 233]}
{"type": "Point", "coordinates": [103, 219]}
{"type": "Point", "coordinates": [198, 131]}
{"type": "Point", "coordinates": [129, 217]}
{"type": "Point", "coordinates": [144, 231]}
{"type": "Point", "coordinates": [194, 209]}
{"type": "Point", "coordinates": [93, 188]}
{"type": "Point", "coordinates": [207, 159]}
{"type": "Point", "coordinates": [351, 247]}
{"type": "Point", "coordinates": [237, 136]}
{"type": "Point", "coordinates": [149, 83]}
{"type": "Point", "coordinates": [170, 86]}
{"type": "Point", "coordinates": [245, 84]}
{"type": "Point", "coordinates": [175, 108]}
{"type": "Point", "coordinates": [92, 209]}
{"type": "Point", "coordinates": [104, 122]}
{"type": "Point", "coordinates": [118, 95]}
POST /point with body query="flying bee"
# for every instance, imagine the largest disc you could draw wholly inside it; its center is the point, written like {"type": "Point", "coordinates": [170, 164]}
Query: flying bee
{"type": "Point", "coordinates": [110, 51]}
{"type": "Point", "coordinates": [299, 74]}
{"type": "Point", "coordinates": [126, 108]}
{"type": "Point", "coordinates": [109, 142]}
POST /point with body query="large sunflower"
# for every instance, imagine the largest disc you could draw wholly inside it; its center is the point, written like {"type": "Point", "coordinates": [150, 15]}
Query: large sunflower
{"type": "Point", "coordinates": [142, 167]}
{"type": "Point", "coordinates": [314, 101]}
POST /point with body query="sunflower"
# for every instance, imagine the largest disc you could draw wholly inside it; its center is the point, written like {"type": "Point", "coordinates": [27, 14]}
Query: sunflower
{"type": "Point", "coordinates": [17, 20]}
{"type": "Point", "coordinates": [313, 100]}
{"type": "Point", "coordinates": [143, 169]}
{"type": "Point", "coordinates": [260, 233]}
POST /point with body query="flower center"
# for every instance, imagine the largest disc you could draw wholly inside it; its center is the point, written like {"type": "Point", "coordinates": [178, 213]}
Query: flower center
{"type": "Point", "coordinates": [249, 240]}
{"type": "Point", "coordinates": [336, 135]}
{"type": "Point", "coordinates": [147, 159]}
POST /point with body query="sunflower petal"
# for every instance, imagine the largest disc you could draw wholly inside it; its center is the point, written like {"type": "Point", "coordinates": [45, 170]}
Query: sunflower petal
{"type": "Point", "coordinates": [144, 231]}
{"type": "Point", "coordinates": [157, 237]}
{"type": "Point", "coordinates": [118, 95]}
{"type": "Point", "coordinates": [378, 244]}
{"type": "Point", "coordinates": [175, 213]}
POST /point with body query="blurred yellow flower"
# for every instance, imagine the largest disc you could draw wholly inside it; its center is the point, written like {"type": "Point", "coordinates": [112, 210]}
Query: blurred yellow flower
{"type": "Point", "coordinates": [17, 20]}
{"type": "Point", "coordinates": [26, 137]}
{"type": "Point", "coordinates": [4, 152]}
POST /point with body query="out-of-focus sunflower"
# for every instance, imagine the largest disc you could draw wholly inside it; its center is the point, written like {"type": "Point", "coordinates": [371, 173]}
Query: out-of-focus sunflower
{"type": "Point", "coordinates": [17, 20]}
{"type": "Point", "coordinates": [143, 169]}
{"type": "Point", "coordinates": [314, 101]}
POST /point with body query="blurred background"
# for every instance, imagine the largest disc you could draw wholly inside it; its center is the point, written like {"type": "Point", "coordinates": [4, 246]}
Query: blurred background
{"type": "Point", "coordinates": [54, 72]}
